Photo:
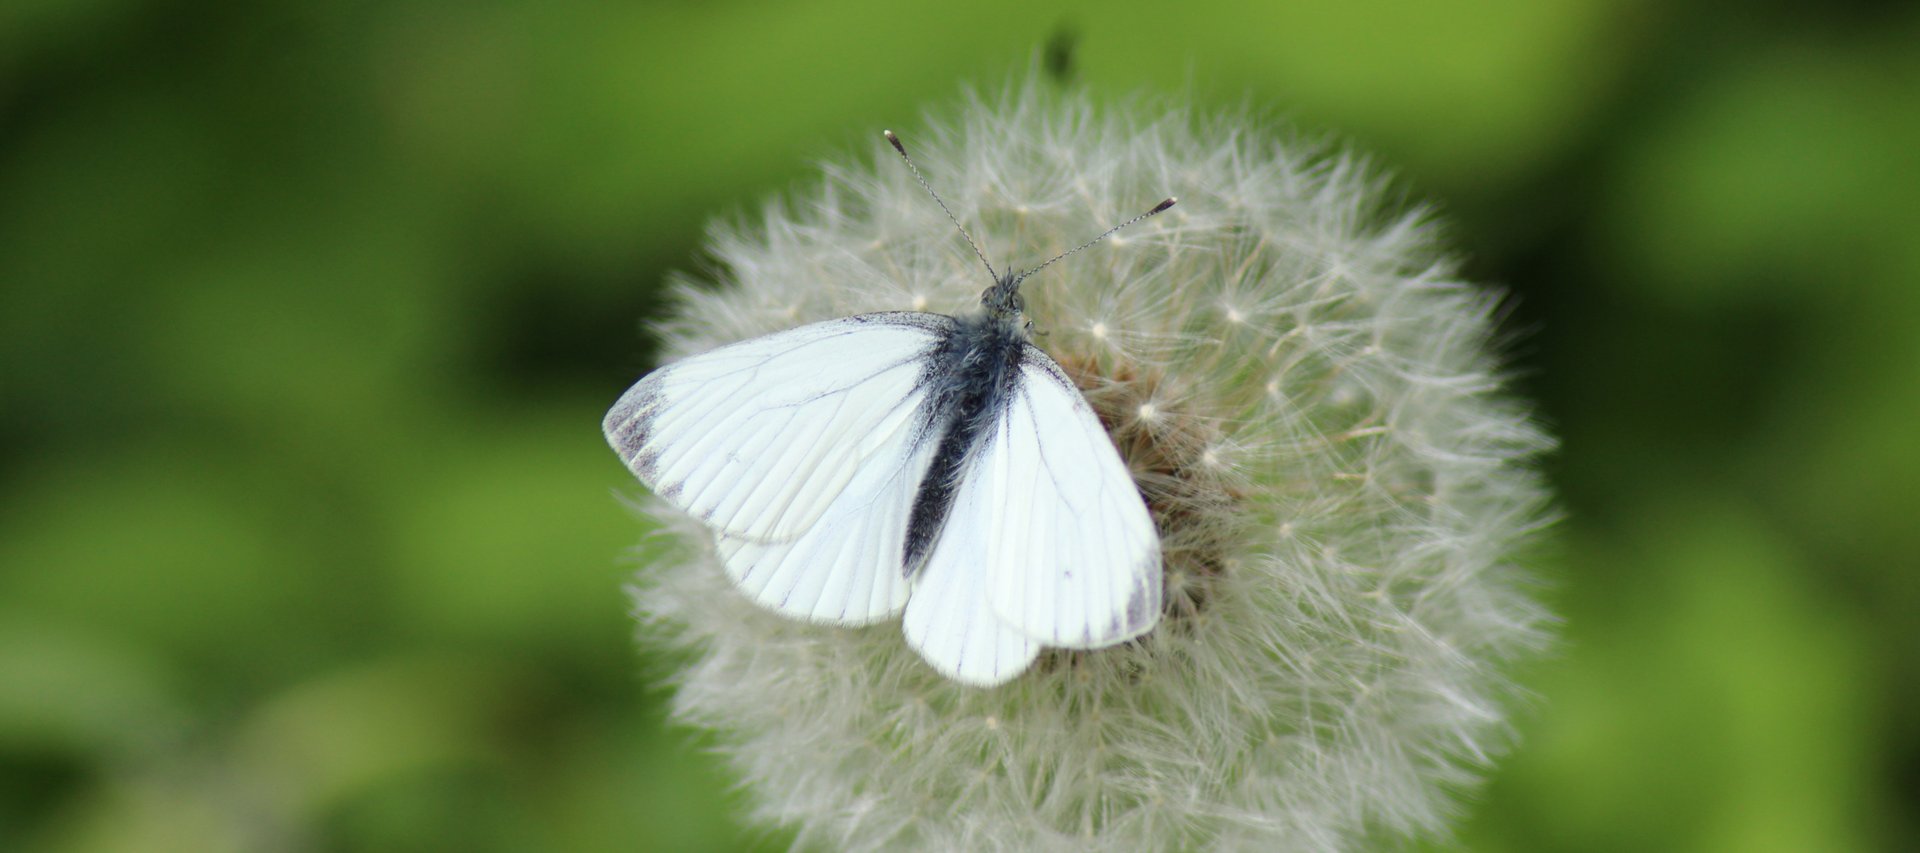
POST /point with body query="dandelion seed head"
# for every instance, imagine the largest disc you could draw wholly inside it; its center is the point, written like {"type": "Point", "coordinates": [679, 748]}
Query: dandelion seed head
{"type": "Point", "coordinates": [1338, 480]}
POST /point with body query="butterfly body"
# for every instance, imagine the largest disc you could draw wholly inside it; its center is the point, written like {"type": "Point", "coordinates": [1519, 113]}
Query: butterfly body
{"type": "Point", "coordinates": [974, 368]}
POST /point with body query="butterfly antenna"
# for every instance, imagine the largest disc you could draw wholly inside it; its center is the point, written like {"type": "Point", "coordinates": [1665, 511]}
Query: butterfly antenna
{"type": "Point", "coordinates": [943, 205]}
{"type": "Point", "coordinates": [1109, 233]}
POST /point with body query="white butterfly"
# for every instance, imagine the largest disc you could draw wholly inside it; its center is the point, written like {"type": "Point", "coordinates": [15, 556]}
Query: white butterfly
{"type": "Point", "coordinates": [941, 465]}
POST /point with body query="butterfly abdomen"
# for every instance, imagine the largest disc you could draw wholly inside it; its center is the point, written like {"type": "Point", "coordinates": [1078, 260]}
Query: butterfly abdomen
{"type": "Point", "coordinates": [971, 374]}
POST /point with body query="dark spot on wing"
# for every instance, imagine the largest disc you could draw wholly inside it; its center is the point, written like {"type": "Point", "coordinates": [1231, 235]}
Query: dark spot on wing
{"type": "Point", "coordinates": [629, 426]}
{"type": "Point", "coordinates": [646, 466]}
{"type": "Point", "coordinates": [1138, 611]}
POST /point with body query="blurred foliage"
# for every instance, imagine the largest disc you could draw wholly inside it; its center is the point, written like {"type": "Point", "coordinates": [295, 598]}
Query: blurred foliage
{"type": "Point", "coordinates": [308, 313]}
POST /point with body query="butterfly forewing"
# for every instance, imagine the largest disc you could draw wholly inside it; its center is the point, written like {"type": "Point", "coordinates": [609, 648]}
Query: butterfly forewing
{"type": "Point", "coordinates": [759, 438]}
{"type": "Point", "coordinates": [1074, 558]}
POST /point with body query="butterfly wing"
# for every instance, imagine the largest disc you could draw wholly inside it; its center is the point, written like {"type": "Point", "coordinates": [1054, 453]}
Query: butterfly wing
{"type": "Point", "coordinates": [846, 569]}
{"type": "Point", "coordinates": [1074, 559]}
{"type": "Point", "coordinates": [791, 446]}
{"type": "Point", "coordinates": [758, 438]}
{"type": "Point", "coordinates": [950, 620]}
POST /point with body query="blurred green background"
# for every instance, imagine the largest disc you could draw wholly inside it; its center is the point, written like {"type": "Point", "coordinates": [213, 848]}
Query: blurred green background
{"type": "Point", "coordinates": [308, 538]}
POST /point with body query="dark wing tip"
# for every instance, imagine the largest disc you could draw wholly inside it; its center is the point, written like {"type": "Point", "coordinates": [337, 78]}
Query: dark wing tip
{"type": "Point", "coordinates": [628, 426]}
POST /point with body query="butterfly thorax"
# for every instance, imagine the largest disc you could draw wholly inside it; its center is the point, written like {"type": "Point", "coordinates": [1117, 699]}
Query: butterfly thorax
{"type": "Point", "coordinates": [970, 378]}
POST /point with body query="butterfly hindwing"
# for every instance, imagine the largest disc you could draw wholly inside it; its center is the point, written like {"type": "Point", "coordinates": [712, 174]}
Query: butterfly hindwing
{"type": "Point", "coordinates": [1074, 560]}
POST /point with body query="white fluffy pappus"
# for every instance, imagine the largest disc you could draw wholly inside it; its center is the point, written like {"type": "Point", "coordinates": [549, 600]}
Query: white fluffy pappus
{"type": "Point", "coordinates": [1305, 395]}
